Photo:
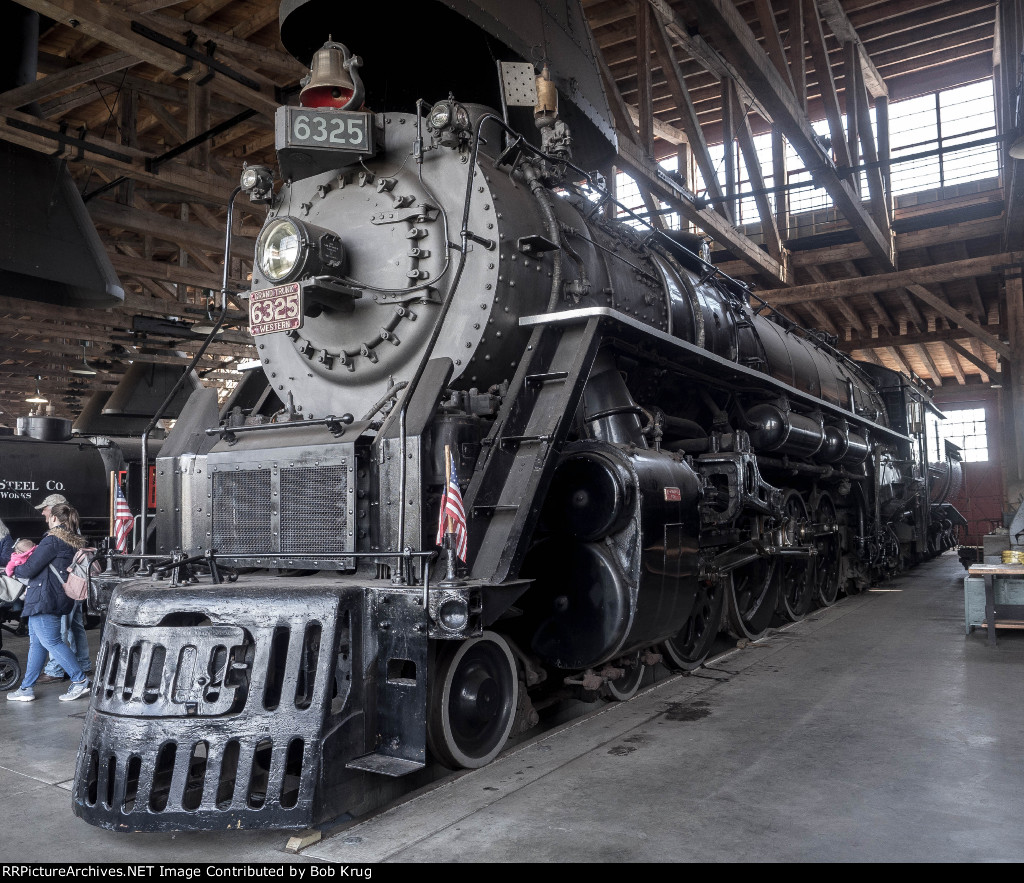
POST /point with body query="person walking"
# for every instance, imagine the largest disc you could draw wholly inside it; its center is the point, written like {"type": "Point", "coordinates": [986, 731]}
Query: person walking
{"type": "Point", "coordinates": [45, 603]}
{"type": "Point", "coordinates": [72, 626]}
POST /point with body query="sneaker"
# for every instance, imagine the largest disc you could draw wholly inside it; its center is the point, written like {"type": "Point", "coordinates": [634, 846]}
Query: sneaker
{"type": "Point", "coordinates": [21, 695]}
{"type": "Point", "coordinates": [75, 691]}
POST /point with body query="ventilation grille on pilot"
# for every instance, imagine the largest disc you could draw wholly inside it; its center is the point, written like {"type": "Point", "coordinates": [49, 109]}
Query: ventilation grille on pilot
{"type": "Point", "coordinates": [314, 507]}
{"type": "Point", "coordinates": [242, 512]}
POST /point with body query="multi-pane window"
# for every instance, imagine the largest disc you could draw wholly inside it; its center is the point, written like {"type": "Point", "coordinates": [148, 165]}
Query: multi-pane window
{"type": "Point", "coordinates": [936, 140]}
{"type": "Point", "coordinates": [628, 194]}
{"type": "Point", "coordinates": [967, 429]}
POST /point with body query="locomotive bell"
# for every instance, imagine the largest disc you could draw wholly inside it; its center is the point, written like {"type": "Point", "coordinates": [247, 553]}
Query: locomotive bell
{"type": "Point", "coordinates": [330, 84]}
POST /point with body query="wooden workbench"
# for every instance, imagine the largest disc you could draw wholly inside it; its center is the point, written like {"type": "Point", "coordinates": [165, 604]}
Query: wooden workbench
{"type": "Point", "coordinates": [992, 572]}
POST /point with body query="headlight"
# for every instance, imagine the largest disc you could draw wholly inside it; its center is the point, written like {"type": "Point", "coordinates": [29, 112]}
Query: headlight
{"type": "Point", "coordinates": [439, 116]}
{"type": "Point", "coordinates": [279, 249]}
{"type": "Point", "coordinates": [453, 613]}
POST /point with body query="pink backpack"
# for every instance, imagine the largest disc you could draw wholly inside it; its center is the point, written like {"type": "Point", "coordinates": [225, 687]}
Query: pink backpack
{"type": "Point", "coordinates": [82, 567]}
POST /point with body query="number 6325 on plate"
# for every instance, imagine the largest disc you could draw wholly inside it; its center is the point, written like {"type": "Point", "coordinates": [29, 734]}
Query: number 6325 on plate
{"type": "Point", "coordinates": [275, 309]}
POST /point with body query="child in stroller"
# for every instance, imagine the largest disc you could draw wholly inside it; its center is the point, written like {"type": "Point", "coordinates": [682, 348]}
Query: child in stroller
{"type": "Point", "coordinates": [12, 591]}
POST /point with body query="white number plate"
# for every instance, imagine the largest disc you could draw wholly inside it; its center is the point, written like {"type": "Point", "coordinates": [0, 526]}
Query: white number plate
{"type": "Point", "coordinates": [275, 309]}
{"type": "Point", "coordinates": [333, 129]}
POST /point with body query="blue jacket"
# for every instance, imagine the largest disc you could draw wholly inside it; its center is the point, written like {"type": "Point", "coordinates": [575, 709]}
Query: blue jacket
{"type": "Point", "coordinates": [45, 593]}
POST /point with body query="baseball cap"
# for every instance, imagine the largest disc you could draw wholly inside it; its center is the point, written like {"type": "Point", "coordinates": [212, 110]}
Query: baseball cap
{"type": "Point", "coordinates": [52, 500]}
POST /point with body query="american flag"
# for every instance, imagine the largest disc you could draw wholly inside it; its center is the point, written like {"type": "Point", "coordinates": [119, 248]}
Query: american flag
{"type": "Point", "coordinates": [123, 520]}
{"type": "Point", "coordinates": [452, 518]}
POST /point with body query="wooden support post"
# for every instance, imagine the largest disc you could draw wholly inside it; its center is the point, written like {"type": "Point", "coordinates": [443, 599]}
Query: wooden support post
{"type": "Point", "coordinates": [852, 99]}
{"type": "Point", "coordinates": [645, 105]}
{"type": "Point", "coordinates": [826, 83]}
{"type": "Point", "coordinates": [797, 50]}
{"type": "Point", "coordinates": [1015, 326]}
{"type": "Point", "coordinates": [780, 176]}
{"type": "Point", "coordinates": [729, 149]}
{"type": "Point", "coordinates": [884, 156]}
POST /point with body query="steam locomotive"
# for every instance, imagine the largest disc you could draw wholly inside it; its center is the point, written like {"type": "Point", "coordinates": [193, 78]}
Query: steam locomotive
{"type": "Point", "coordinates": [646, 455]}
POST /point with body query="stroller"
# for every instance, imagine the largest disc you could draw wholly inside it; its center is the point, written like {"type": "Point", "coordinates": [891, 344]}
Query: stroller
{"type": "Point", "coordinates": [10, 667]}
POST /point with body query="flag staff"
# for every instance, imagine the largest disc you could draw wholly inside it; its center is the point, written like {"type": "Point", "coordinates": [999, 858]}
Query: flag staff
{"type": "Point", "coordinates": [451, 578]}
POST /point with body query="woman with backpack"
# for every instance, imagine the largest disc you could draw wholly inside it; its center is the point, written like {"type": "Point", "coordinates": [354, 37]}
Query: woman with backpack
{"type": "Point", "coordinates": [46, 602]}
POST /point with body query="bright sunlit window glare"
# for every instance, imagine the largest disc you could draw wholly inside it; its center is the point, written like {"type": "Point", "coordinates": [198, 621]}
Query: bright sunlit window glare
{"type": "Point", "coordinates": [942, 125]}
{"type": "Point", "coordinates": [967, 428]}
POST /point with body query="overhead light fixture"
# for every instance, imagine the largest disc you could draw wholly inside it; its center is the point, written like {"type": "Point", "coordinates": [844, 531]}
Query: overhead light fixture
{"type": "Point", "coordinates": [85, 369]}
{"type": "Point", "coordinates": [37, 399]}
{"type": "Point", "coordinates": [1017, 148]}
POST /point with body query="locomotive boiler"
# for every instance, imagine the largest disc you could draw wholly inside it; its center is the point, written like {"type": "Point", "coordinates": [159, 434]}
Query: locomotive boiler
{"type": "Point", "coordinates": [646, 453]}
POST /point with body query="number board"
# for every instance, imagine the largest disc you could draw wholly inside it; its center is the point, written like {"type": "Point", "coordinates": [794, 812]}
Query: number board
{"type": "Point", "coordinates": [275, 309]}
{"type": "Point", "coordinates": [331, 129]}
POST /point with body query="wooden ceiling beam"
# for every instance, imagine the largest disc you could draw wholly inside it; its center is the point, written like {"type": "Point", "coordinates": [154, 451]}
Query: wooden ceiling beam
{"type": "Point", "coordinates": [950, 312]}
{"type": "Point", "coordinates": [980, 266]}
{"type": "Point", "coordinates": [110, 25]}
{"type": "Point", "coordinates": [929, 363]}
{"type": "Point", "coordinates": [954, 364]}
{"type": "Point", "coordinates": [840, 304]}
{"type": "Point", "coordinates": [688, 116]}
{"type": "Point", "coordinates": [832, 11]}
{"type": "Point", "coordinates": [168, 272]}
{"type": "Point", "coordinates": [44, 136]}
{"type": "Point", "coordinates": [897, 355]}
{"type": "Point", "coordinates": [648, 174]}
{"type": "Point", "coordinates": [47, 87]}
{"type": "Point", "coordinates": [937, 335]}
{"type": "Point", "coordinates": [168, 229]}
{"type": "Point", "coordinates": [826, 83]}
{"type": "Point", "coordinates": [697, 48]}
{"type": "Point", "coordinates": [971, 352]}
{"type": "Point", "coordinates": [745, 139]}
{"type": "Point", "coordinates": [740, 47]}
{"type": "Point", "coordinates": [235, 44]}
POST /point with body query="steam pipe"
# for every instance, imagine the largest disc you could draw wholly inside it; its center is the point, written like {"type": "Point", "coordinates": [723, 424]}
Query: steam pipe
{"type": "Point", "coordinates": [191, 366]}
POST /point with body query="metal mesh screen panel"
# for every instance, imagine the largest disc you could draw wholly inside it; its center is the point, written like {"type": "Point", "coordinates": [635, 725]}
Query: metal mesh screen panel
{"type": "Point", "coordinates": [314, 507]}
{"type": "Point", "coordinates": [242, 512]}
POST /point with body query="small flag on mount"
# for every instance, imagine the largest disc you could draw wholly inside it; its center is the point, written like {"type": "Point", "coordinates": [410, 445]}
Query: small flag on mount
{"type": "Point", "coordinates": [123, 520]}
{"type": "Point", "coordinates": [452, 518]}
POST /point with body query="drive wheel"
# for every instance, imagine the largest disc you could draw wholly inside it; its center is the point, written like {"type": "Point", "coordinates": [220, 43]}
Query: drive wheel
{"type": "Point", "coordinates": [796, 590]}
{"type": "Point", "coordinates": [688, 649]}
{"type": "Point", "coordinates": [10, 670]}
{"type": "Point", "coordinates": [753, 594]}
{"type": "Point", "coordinates": [827, 563]}
{"type": "Point", "coordinates": [473, 695]}
{"type": "Point", "coordinates": [625, 687]}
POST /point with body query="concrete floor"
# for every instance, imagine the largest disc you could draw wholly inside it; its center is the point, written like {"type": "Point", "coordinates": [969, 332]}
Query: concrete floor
{"type": "Point", "coordinates": [872, 731]}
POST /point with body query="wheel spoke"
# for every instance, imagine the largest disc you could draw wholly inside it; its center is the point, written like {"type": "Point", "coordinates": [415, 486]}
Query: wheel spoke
{"type": "Point", "coordinates": [796, 589]}
{"type": "Point", "coordinates": [752, 593]}
{"type": "Point", "coordinates": [827, 563]}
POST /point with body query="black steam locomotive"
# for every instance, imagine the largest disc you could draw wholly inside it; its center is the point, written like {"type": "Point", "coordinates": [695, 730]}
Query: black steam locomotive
{"type": "Point", "coordinates": [647, 455]}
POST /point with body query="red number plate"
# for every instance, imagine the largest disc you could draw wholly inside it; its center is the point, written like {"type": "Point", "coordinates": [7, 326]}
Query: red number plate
{"type": "Point", "coordinates": [275, 309]}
